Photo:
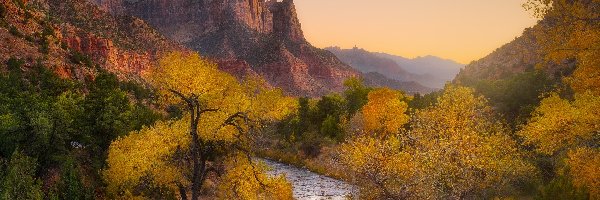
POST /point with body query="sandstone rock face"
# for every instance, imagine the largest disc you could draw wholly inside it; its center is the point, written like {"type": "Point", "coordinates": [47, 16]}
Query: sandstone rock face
{"type": "Point", "coordinates": [126, 46]}
{"type": "Point", "coordinates": [104, 52]}
{"type": "Point", "coordinates": [262, 37]}
{"type": "Point", "coordinates": [55, 32]}
{"type": "Point", "coordinates": [286, 23]}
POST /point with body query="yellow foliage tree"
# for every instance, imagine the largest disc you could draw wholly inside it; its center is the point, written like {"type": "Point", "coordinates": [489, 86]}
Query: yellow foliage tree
{"type": "Point", "coordinates": [245, 180]}
{"type": "Point", "coordinates": [571, 31]}
{"type": "Point", "coordinates": [384, 112]}
{"type": "Point", "coordinates": [560, 125]}
{"type": "Point", "coordinates": [381, 168]}
{"type": "Point", "coordinates": [222, 115]}
{"type": "Point", "coordinates": [569, 129]}
{"type": "Point", "coordinates": [463, 150]}
{"type": "Point", "coordinates": [453, 150]}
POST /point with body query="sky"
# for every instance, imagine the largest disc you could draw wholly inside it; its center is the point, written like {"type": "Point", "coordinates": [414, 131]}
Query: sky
{"type": "Point", "coordinates": [461, 30]}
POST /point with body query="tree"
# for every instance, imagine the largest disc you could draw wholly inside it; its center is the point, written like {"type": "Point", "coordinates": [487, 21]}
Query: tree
{"type": "Point", "coordinates": [454, 149]}
{"type": "Point", "coordinates": [19, 182]}
{"type": "Point", "coordinates": [381, 167]}
{"type": "Point", "coordinates": [570, 31]}
{"type": "Point", "coordinates": [356, 95]}
{"type": "Point", "coordinates": [566, 127]}
{"type": "Point", "coordinates": [375, 155]}
{"type": "Point", "coordinates": [560, 126]}
{"type": "Point", "coordinates": [221, 117]}
{"type": "Point", "coordinates": [331, 128]}
{"type": "Point", "coordinates": [245, 180]}
{"type": "Point", "coordinates": [463, 149]}
{"type": "Point", "coordinates": [384, 112]}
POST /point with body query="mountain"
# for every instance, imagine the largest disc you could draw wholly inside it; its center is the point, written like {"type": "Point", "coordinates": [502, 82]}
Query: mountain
{"type": "Point", "coordinates": [392, 68]}
{"type": "Point", "coordinates": [376, 79]}
{"type": "Point", "coordinates": [518, 56]}
{"type": "Point", "coordinates": [245, 37]}
{"type": "Point", "coordinates": [72, 37]}
{"type": "Point", "coordinates": [440, 68]}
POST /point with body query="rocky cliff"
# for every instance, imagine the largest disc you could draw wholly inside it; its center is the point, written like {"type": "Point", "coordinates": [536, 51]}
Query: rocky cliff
{"type": "Point", "coordinates": [73, 37]}
{"type": "Point", "coordinates": [264, 36]}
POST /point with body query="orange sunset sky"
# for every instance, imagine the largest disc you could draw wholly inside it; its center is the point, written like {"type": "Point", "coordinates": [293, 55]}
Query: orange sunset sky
{"type": "Point", "coordinates": [462, 30]}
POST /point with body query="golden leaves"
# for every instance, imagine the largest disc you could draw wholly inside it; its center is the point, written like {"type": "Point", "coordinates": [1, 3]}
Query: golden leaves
{"type": "Point", "coordinates": [146, 152]}
{"type": "Point", "coordinates": [246, 180]}
{"type": "Point", "coordinates": [459, 139]}
{"type": "Point", "coordinates": [570, 32]}
{"type": "Point", "coordinates": [188, 74]}
{"type": "Point", "coordinates": [558, 124]}
{"type": "Point", "coordinates": [584, 166]}
{"type": "Point", "coordinates": [384, 112]}
{"type": "Point", "coordinates": [452, 149]}
{"type": "Point", "coordinates": [161, 153]}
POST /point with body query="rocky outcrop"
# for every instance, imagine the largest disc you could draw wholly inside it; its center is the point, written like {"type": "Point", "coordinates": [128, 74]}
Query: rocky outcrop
{"type": "Point", "coordinates": [261, 36]}
{"type": "Point", "coordinates": [285, 21]}
{"type": "Point", "coordinates": [103, 51]}
{"type": "Point", "coordinates": [126, 46]}
{"type": "Point", "coordinates": [73, 36]}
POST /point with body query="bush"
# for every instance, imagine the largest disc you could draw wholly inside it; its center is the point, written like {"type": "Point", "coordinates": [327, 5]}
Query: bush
{"type": "Point", "coordinates": [80, 58]}
{"type": "Point", "coordinates": [19, 181]}
{"type": "Point", "coordinates": [3, 11]}
{"type": "Point", "coordinates": [14, 31]}
{"type": "Point", "coordinates": [561, 187]}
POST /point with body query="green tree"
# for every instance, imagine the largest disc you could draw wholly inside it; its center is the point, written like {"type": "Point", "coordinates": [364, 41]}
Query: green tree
{"type": "Point", "coordinates": [356, 95]}
{"type": "Point", "coordinates": [331, 128]}
{"type": "Point", "coordinates": [19, 182]}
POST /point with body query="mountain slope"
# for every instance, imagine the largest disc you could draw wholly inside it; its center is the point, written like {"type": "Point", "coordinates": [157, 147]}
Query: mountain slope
{"type": "Point", "coordinates": [263, 37]}
{"type": "Point", "coordinates": [76, 37]}
{"type": "Point", "coordinates": [518, 56]}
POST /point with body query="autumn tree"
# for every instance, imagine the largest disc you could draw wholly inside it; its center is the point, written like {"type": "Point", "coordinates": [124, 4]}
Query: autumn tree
{"type": "Point", "coordinates": [384, 111]}
{"type": "Point", "coordinates": [454, 149]}
{"type": "Point", "coordinates": [565, 128]}
{"type": "Point", "coordinates": [561, 127]}
{"type": "Point", "coordinates": [375, 154]}
{"type": "Point", "coordinates": [570, 31]}
{"type": "Point", "coordinates": [464, 151]}
{"type": "Point", "coordinates": [221, 116]}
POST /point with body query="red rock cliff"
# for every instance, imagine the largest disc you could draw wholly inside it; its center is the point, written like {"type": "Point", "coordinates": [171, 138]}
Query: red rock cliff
{"type": "Point", "coordinates": [246, 36]}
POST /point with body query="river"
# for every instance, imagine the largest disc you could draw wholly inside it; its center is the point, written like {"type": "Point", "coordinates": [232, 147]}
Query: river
{"type": "Point", "coordinates": [311, 186]}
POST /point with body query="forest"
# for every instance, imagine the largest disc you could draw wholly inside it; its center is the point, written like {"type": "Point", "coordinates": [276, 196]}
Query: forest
{"type": "Point", "coordinates": [188, 130]}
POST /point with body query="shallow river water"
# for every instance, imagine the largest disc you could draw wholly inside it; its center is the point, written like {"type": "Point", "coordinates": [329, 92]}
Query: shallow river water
{"type": "Point", "coordinates": [308, 185]}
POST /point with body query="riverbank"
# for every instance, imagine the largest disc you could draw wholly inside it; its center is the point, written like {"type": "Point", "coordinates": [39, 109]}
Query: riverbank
{"type": "Point", "coordinates": [326, 163]}
{"type": "Point", "coordinates": [308, 185]}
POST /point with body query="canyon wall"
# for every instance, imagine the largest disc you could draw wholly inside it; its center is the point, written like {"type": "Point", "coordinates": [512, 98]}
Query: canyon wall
{"type": "Point", "coordinates": [262, 37]}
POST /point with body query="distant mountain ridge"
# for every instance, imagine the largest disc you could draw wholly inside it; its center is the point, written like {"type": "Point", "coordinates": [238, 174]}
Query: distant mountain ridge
{"type": "Point", "coordinates": [428, 71]}
{"type": "Point", "coordinates": [423, 65]}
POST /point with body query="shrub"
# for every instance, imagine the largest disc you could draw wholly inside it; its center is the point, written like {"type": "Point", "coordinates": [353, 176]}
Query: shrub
{"type": "Point", "coordinates": [3, 11]}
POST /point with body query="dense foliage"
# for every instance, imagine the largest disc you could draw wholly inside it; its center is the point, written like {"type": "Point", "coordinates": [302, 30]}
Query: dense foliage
{"type": "Point", "coordinates": [56, 127]}
{"type": "Point", "coordinates": [212, 138]}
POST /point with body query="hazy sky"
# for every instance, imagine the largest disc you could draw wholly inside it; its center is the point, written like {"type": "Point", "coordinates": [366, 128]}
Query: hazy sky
{"type": "Point", "coordinates": [462, 30]}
